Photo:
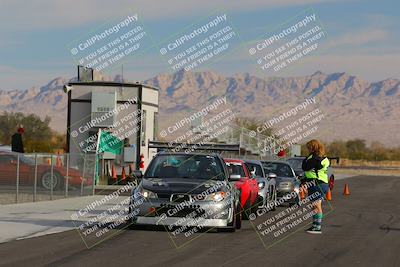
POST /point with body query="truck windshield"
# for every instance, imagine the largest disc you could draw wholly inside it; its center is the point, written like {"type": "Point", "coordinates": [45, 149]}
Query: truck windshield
{"type": "Point", "coordinates": [280, 169]}
{"type": "Point", "coordinates": [185, 166]}
{"type": "Point", "coordinates": [296, 163]}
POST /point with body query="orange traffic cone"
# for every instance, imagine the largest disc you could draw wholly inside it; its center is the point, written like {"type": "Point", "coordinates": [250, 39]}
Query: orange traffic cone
{"type": "Point", "coordinates": [328, 195]}
{"type": "Point", "coordinates": [346, 190]}
{"type": "Point", "coordinates": [113, 174]}
{"type": "Point", "coordinates": [123, 176]}
{"type": "Point", "coordinates": [58, 160]}
{"type": "Point", "coordinates": [302, 193]}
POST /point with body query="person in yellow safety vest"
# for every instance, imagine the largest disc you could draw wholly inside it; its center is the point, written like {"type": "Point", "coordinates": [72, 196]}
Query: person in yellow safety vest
{"type": "Point", "coordinates": [315, 168]}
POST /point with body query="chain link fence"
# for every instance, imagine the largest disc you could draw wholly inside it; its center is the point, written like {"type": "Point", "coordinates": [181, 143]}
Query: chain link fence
{"type": "Point", "coordinates": [38, 177]}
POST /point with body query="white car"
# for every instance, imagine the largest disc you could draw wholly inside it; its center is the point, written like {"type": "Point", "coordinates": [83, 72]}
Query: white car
{"type": "Point", "coordinates": [5, 148]}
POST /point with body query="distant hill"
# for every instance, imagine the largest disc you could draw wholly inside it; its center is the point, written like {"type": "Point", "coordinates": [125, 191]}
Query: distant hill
{"type": "Point", "coordinates": [353, 108]}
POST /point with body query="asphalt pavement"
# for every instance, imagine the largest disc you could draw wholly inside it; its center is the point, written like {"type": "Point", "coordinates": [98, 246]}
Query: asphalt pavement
{"type": "Point", "coordinates": [362, 229]}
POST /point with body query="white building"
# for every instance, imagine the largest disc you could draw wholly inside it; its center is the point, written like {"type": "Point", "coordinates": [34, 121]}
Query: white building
{"type": "Point", "coordinates": [134, 122]}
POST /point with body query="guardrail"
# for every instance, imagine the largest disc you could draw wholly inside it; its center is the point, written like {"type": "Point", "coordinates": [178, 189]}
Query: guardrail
{"type": "Point", "coordinates": [41, 176]}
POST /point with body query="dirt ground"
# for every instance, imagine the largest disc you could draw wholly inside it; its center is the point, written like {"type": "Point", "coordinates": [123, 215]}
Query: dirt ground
{"type": "Point", "coordinates": [361, 171]}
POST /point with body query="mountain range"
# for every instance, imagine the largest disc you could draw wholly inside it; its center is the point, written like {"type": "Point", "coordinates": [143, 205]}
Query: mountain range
{"type": "Point", "coordinates": [352, 107]}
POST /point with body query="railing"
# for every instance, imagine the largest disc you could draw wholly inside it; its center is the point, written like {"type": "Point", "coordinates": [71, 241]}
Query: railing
{"type": "Point", "coordinates": [38, 176]}
{"type": "Point", "coordinates": [251, 143]}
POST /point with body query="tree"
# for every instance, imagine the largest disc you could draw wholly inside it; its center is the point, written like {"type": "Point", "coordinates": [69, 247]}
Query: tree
{"type": "Point", "coordinates": [357, 149]}
{"type": "Point", "coordinates": [379, 152]}
{"type": "Point", "coordinates": [337, 149]}
{"type": "Point", "coordinates": [37, 135]}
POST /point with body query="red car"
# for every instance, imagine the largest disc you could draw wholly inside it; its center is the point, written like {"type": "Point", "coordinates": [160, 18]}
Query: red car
{"type": "Point", "coordinates": [247, 185]}
{"type": "Point", "coordinates": [8, 173]}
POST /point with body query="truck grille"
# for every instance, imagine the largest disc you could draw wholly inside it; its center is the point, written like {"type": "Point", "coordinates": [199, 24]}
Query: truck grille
{"type": "Point", "coordinates": [175, 211]}
{"type": "Point", "coordinates": [179, 198]}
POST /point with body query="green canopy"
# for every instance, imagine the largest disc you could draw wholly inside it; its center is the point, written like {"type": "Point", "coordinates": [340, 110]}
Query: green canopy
{"type": "Point", "coordinates": [109, 143]}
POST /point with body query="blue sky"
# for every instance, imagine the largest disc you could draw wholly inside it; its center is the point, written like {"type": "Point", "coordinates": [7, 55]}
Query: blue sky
{"type": "Point", "coordinates": [363, 36]}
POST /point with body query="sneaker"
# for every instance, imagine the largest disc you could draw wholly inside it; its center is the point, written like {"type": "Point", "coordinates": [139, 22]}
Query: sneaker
{"type": "Point", "coordinates": [314, 230]}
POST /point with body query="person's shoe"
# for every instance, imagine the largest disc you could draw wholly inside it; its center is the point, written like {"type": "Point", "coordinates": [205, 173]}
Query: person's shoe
{"type": "Point", "coordinates": [314, 230]}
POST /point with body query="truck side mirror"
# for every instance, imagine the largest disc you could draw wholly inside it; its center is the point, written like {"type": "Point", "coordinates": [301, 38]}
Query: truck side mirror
{"type": "Point", "coordinates": [138, 174]}
{"type": "Point", "coordinates": [299, 174]}
{"type": "Point", "coordinates": [234, 177]}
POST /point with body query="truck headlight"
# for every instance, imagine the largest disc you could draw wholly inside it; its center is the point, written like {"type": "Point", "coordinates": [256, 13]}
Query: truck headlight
{"type": "Point", "coordinates": [147, 194]}
{"type": "Point", "coordinates": [217, 196]}
{"type": "Point", "coordinates": [261, 185]}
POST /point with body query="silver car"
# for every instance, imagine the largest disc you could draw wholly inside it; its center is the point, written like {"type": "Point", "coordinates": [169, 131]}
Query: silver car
{"type": "Point", "coordinates": [287, 183]}
{"type": "Point", "coordinates": [266, 185]}
{"type": "Point", "coordinates": [180, 190]}
{"type": "Point", "coordinates": [296, 163]}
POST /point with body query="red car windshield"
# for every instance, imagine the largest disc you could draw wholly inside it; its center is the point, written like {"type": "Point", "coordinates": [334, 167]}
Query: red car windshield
{"type": "Point", "coordinates": [235, 168]}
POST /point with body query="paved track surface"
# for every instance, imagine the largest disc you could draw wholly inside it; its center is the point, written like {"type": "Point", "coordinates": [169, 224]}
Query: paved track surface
{"type": "Point", "coordinates": [362, 230]}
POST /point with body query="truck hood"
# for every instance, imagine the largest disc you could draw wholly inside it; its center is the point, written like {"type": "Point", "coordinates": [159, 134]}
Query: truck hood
{"type": "Point", "coordinates": [181, 185]}
{"type": "Point", "coordinates": [261, 179]}
{"type": "Point", "coordinates": [281, 179]}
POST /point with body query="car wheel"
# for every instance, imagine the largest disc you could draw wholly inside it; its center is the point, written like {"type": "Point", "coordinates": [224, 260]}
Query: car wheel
{"type": "Point", "coordinates": [267, 201]}
{"type": "Point", "coordinates": [131, 225]}
{"type": "Point", "coordinates": [254, 207]}
{"type": "Point", "coordinates": [297, 201]}
{"type": "Point", "coordinates": [46, 180]}
{"type": "Point", "coordinates": [236, 220]}
{"type": "Point", "coordinates": [129, 213]}
{"type": "Point", "coordinates": [238, 217]}
{"type": "Point", "coordinates": [246, 210]}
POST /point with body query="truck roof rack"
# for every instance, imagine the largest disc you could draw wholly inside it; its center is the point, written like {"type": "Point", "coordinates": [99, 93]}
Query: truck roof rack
{"type": "Point", "coordinates": [179, 147]}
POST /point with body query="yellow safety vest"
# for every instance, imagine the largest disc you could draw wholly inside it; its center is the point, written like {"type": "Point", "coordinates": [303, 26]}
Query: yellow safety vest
{"type": "Point", "coordinates": [321, 174]}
